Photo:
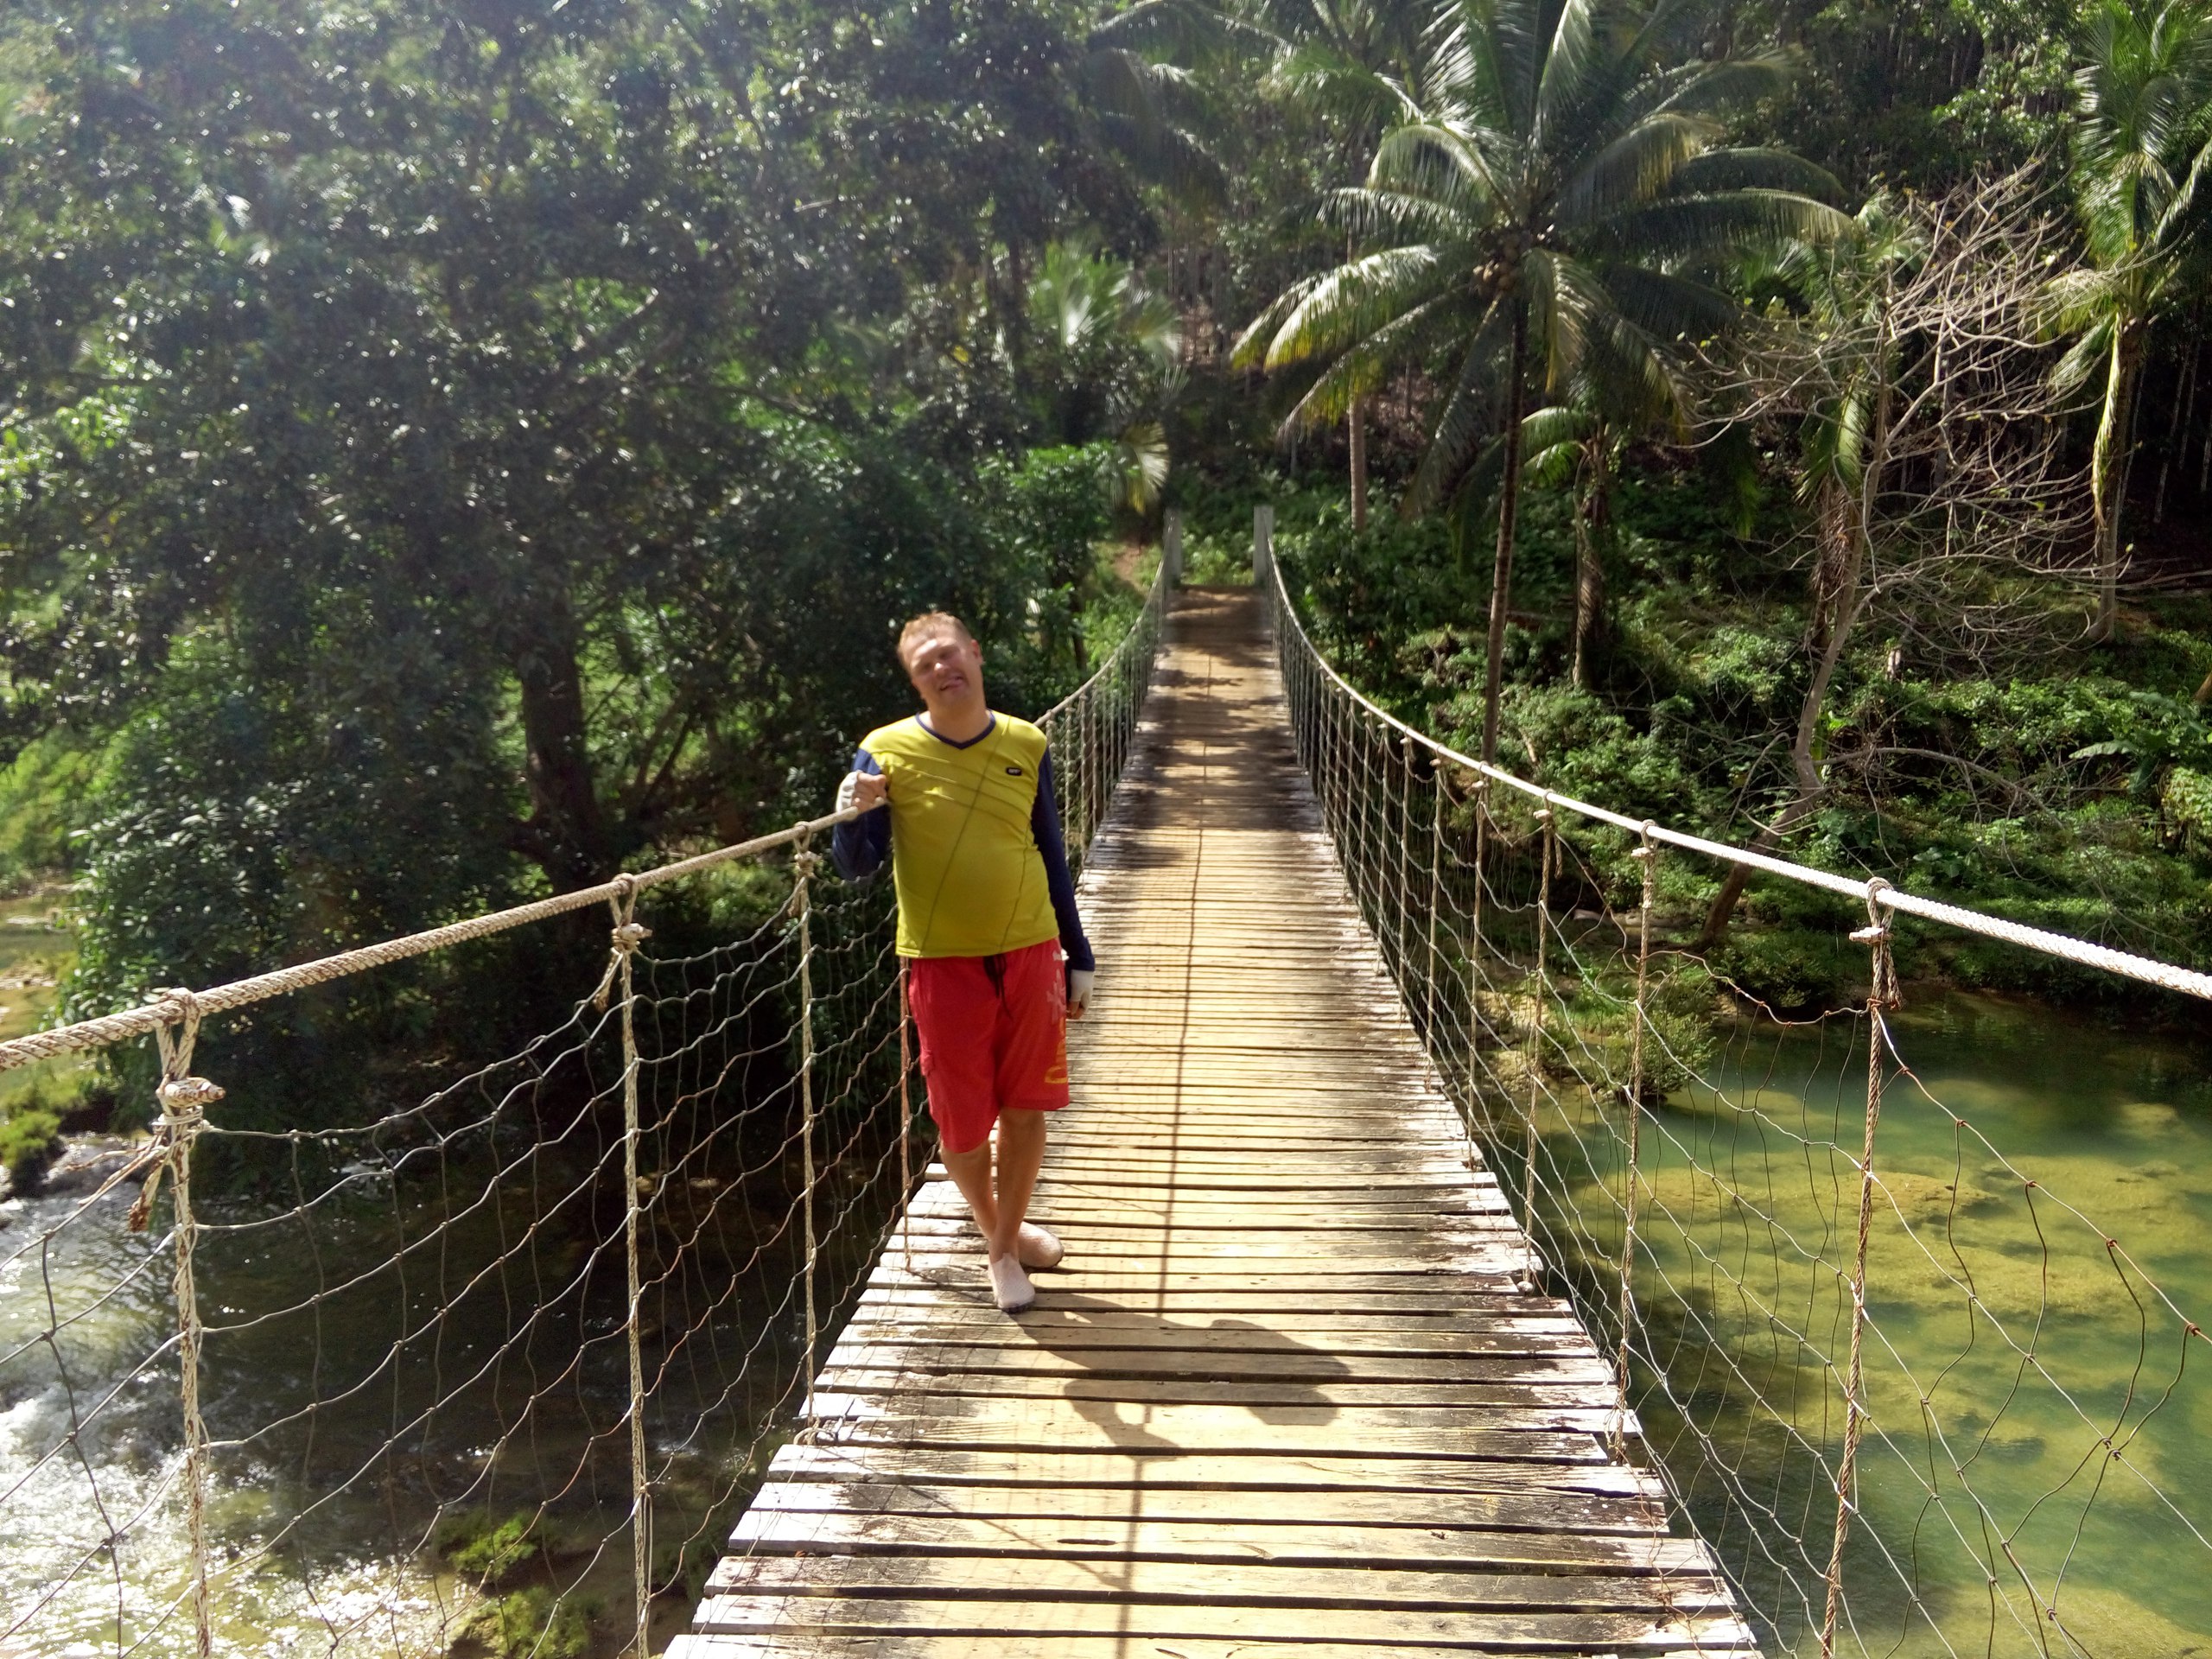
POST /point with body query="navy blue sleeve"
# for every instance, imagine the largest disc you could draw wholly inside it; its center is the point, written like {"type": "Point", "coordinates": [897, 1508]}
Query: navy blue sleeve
{"type": "Point", "coordinates": [1045, 824]}
{"type": "Point", "coordinates": [859, 848]}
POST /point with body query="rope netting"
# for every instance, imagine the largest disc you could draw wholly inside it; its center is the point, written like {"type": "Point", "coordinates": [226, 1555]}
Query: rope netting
{"type": "Point", "coordinates": [1923, 1394]}
{"type": "Point", "coordinates": [501, 1366]}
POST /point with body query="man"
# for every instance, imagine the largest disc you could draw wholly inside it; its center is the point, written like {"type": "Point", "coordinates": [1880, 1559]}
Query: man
{"type": "Point", "coordinates": [987, 924]}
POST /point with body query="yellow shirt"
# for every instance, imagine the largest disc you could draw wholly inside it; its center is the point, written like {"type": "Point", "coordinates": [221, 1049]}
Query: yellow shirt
{"type": "Point", "coordinates": [963, 852]}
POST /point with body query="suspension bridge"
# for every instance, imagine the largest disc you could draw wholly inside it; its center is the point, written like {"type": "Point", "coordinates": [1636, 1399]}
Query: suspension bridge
{"type": "Point", "coordinates": [1284, 1389]}
{"type": "Point", "coordinates": [1452, 1267]}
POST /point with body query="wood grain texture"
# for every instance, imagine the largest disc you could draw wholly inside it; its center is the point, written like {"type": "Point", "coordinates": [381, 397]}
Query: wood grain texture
{"type": "Point", "coordinates": [1284, 1395]}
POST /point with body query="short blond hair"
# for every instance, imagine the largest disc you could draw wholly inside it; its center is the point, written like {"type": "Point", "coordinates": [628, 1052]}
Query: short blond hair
{"type": "Point", "coordinates": [927, 623]}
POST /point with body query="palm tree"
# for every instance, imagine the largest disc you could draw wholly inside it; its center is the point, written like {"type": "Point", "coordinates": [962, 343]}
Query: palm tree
{"type": "Point", "coordinates": [1548, 200]}
{"type": "Point", "coordinates": [2142, 142]}
{"type": "Point", "coordinates": [1111, 364]}
{"type": "Point", "coordinates": [1335, 61]}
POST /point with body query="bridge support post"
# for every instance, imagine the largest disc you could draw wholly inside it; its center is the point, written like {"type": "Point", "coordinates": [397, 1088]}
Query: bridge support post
{"type": "Point", "coordinates": [1170, 549]}
{"type": "Point", "coordinates": [1263, 549]}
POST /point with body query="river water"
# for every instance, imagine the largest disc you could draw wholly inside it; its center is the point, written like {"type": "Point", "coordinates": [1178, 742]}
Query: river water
{"type": "Point", "coordinates": [2039, 1468]}
{"type": "Point", "coordinates": [1987, 1297]}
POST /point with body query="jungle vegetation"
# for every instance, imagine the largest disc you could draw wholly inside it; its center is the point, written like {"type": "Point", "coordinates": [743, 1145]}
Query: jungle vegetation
{"type": "Point", "coordinates": [450, 452]}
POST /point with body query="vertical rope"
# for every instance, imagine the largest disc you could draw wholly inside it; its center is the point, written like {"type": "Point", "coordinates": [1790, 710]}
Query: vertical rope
{"type": "Point", "coordinates": [1480, 792]}
{"type": "Point", "coordinates": [184, 1100]}
{"type": "Point", "coordinates": [1405, 854]}
{"type": "Point", "coordinates": [1881, 994]}
{"type": "Point", "coordinates": [1086, 737]}
{"type": "Point", "coordinates": [624, 940]}
{"type": "Point", "coordinates": [1370, 832]}
{"type": "Point", "coordinates": [1647, 855]}
{"type": "Point", "coordinates": [906, 1125]}
{"type": "Point", "coordinates": [803, 863]}
{"type": "Point", "coordinates": [1435, 904]}
{"type": "Point", "coordinates": [1528, 1272]}
{"type": "Point", "coordinates": [1325, 747]}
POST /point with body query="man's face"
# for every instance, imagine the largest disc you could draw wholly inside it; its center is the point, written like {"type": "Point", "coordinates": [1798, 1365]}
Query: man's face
{"type": "Point", "coordinates": [945, 666]}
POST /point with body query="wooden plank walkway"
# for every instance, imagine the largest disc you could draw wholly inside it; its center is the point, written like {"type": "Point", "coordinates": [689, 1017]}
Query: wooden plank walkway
{"type": "Point", "coordinates": [1282, 1398]}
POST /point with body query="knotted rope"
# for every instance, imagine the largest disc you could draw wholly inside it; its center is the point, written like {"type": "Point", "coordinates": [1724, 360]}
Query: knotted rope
{"type": "Point", "coordinates": [184, 1100]}
{"type": "Point", "coordinates": [623, 940]}
{"type": "Point", "coordinates": [627, 937]}
{"type": "Point", "coordinates": [1528, 1279]}
{"type": "Point", "coordinates": [1882, 995]}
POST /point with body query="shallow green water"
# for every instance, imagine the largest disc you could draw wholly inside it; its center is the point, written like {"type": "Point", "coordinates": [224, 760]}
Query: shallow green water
{"type": "Point", "coordinates": [2009, 1354]}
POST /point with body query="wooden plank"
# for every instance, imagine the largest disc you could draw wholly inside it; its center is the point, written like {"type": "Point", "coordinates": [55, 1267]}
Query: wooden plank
{"type": "Point", "coordinates": [918, 1390]}
{"type": "Point", "coordinates": [1274, 1361]}
{"type": "Point", "coordinates": [1442, 1295]}
{"type": "Point", "coordinates": [1046, 1577]}
{"type": "Point", "coordinates": [1548, 1510]}
{"type": "Point", "coordinates": [1249, 1467]}
{"type": "Point", "coordinates": [964, 1645]}
{"type": "Point", "coordinates": [1560, 1434]}
{"type": "Point", "coordinates": [1021, 1617]}
{"type": "Point", "coordinates": [982, 1333]}
{"type": "Point", "coordinates": [1279, 1542]}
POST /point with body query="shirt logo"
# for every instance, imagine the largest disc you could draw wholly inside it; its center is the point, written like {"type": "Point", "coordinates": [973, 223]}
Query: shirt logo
{"type": "Point", "coordinates": [1013, 771]}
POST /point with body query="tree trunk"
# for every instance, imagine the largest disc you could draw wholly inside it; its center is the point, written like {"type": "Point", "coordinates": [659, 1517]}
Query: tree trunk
{"type": "Point", "coordinates": [1014, 319]}
{"type": "Point", "coordinates": [1509, 507]}
{"type": "Point", "coordinates": [1593, 530]}
{"type": "Point", "coordinates": [1357, 423]}
{"type": "Point", "coordinates": [1835, 606]}
{"type": "Point", "coordinates": [567, 834]}
{"type": "Point", "coordinates": [2109, 471]}
{"type": "Point", "coordinates": [2177, 434]}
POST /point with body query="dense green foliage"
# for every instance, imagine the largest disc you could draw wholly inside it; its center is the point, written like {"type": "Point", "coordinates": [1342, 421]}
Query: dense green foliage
{"type": "Point", "coordinates": [2063, 798]}
{"type": "Point", "coordinates": [452, 453]}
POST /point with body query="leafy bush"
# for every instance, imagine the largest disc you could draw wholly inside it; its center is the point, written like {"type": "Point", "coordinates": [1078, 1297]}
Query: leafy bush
{"type": "Point", "coordinates": [41, 797]}
{"type": "Point", "coordinates": [1682, 1004]}
{"type": "Point", "coordinates": [1789, 969]}
{"type": "Point", "coordinates": [489, 1554]}
{"type": "Point", "coordinates": [532, 1624]}
{"type": "Point", "coordinates": [30, 1140]}
{"type": "Point", "coordinates": [2188, 802]}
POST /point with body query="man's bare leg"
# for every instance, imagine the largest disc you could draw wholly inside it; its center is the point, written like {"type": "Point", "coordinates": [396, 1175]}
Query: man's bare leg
{"type": "Point", "coordinates": [972, 1174]}
{"type": "Point", "coordinates": [1021, 1155]}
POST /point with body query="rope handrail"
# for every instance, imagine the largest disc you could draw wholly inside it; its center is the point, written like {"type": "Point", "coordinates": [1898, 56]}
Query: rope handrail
{"type": "Point", "coordinates": [1155, 597]}
{"type": "Point", "coordinates": [170, 1008]}
{"type": "Point", "coordinates": [2149, 970]}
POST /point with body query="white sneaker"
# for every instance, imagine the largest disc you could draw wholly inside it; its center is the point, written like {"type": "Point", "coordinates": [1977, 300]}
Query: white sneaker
{"type": "Point", "coordinates": [1035, 1248]}
{"type": "Point", "coordinates": [1010, 1286]}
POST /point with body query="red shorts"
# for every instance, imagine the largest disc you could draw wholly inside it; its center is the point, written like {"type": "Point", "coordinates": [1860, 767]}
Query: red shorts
{"type": "Point", "coordinates": [995, 1037]}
